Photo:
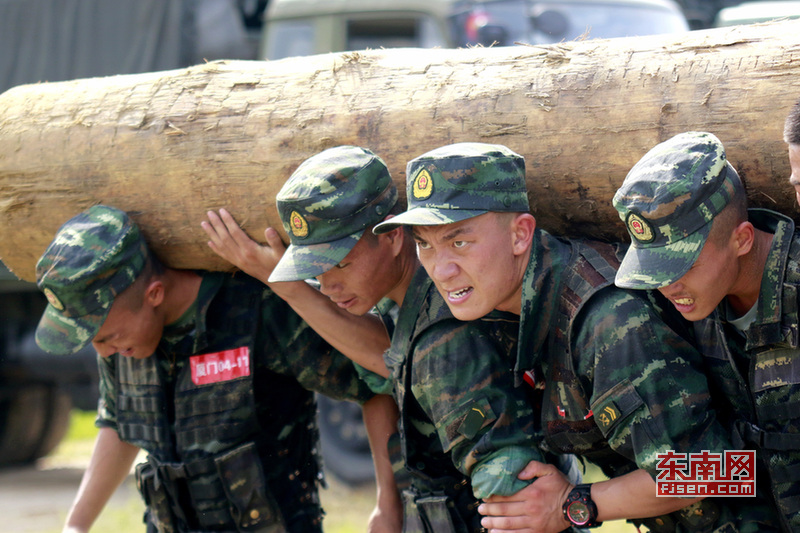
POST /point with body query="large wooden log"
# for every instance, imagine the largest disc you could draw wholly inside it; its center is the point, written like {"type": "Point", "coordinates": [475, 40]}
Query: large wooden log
{"type": "Point", "coordinates": [168, 146]}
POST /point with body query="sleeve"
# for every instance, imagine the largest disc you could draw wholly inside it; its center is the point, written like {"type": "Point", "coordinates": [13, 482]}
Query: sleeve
{"type": "Point", "coordinates": [465, 386]}
{"type": "Point", "coordinates": [107, 404]}
{"type": "Point", "coordinates": [377, 383]}
{"type": "Point", "coordinates": [649, 390]}
{"type": "Point", "coordinates": [294, 349]}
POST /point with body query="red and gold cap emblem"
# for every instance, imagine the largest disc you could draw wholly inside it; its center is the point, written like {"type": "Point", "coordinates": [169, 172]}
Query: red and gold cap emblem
{"type": "Point", "coordinates": [298, 225]}
{"type": "Point", "coordinates": [423, 185]}
{"type": "Point", "coordinates": [640, 229]}
{"type": "Point", "coordinates": [53, 299]}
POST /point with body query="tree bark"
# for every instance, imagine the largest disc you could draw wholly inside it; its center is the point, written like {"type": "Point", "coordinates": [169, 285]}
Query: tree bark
{"type": "Point", "coordinates": [168, 146]}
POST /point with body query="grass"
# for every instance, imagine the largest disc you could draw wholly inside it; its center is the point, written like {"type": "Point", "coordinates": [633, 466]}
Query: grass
{"type": "Point", "coordinates": [347, 509]}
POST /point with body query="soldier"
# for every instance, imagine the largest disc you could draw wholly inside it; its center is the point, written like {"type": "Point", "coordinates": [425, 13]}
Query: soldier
{"type": "Point", "coordinates": [621, 381]}
{"type": "Point", "coordinates": [791, 134]}
{"type": "Point", "coordinates": [211, 374]}
{"type": "Point", "coordinates": [466, 431]}
{"type": "Point", "coordinates": [735, 273]}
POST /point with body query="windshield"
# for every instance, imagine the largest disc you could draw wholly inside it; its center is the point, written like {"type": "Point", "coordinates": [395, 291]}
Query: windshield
{"type": "Point", "coordinates": [506, 22]}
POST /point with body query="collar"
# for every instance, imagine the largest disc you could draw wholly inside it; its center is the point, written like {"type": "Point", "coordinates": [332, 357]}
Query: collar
{"type": "Point", "coordinates": [193, 322]}
{"type": "Point", "coordinates": [766, 327]}
{"type": "Point", "coordinates": [540, 289]}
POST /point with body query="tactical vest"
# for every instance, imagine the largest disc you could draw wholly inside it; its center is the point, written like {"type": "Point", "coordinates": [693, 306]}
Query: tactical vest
{"type": "Point", "coordinates": [766, 404]}
{"type": "Point", "coordinates": [567, 414]}
{"type": "Point", "coordinates": [205, 471]}
{"type": "Point", "coordinates": [440, 498]}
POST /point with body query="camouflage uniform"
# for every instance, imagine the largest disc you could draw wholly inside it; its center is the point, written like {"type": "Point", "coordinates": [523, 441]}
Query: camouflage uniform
{"type": "Point", "coordinates": [224, 407]}
{"type": "Point", "coordinates": [668, 202]}
{"type": "Point", "coordinates": [465, 431]}
{"type": "Point", "coordinates": [621, 380]}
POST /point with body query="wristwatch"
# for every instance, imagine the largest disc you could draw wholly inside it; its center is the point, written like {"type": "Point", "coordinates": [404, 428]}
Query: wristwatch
{"type": "Point", "coordinates": [579, 509]}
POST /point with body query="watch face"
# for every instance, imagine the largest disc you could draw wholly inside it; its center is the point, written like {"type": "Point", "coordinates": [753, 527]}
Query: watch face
{"type": "Point", "coordinates": [578, 513]}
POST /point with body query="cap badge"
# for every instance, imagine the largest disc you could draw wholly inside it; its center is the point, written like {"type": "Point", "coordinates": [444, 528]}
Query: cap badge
{"type": "Point", "coordinates": [298, 225]}
{"type": "Point", "coordinates": [423, 185]}
{"type": "Point", "coordinates": [640, 229]}
{"type": "Point", "coordinates": [53, 299]}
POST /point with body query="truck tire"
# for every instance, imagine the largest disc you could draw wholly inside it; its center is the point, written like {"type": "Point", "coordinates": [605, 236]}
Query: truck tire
{"type": "Point", "coordinates": [33, 420]}
{"type": "Point", "coordinates": [345, 446]}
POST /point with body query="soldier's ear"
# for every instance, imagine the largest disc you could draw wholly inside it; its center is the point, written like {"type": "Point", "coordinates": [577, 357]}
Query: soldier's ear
{"type": "Point", "coordinates": [154, 293]}
{"type": "Point", "coordinates": [743, 237]}
{"type": "Point", "coordinates": [523, 227]}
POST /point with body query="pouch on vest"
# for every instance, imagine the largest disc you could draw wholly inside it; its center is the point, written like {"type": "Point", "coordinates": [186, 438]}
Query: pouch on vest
{"type": "Point", "coordinates": [412, 520]}
{"type": "Point", "coordinates": [427, 514]}
{"type": "Point", "coordinates": [155, 497]}
{"type": "Point", "coordinates": [436, 513]}
{"type": "Point", "coordinates": [252, 506]}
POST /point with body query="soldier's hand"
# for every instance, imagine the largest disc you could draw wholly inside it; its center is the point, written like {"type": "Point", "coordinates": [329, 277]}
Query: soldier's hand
{"type": "Point", "coordinates": [230, 242]}
{"type": "Point", "coordinates": [536, 508]}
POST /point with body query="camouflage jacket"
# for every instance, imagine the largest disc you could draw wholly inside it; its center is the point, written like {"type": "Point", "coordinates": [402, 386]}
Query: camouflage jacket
{"type": "Point", "coordinates": [272, 406]}
{"type": "Point", "coordinates": [460, 412]}
{"type": "Point", "coordinates": [624, 365]}
{"type": "Point", "coordinates": [756, 373]}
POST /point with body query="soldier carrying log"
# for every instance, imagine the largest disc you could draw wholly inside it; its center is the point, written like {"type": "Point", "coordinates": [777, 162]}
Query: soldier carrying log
{"type": "Point", "coordinates": [211, 374]}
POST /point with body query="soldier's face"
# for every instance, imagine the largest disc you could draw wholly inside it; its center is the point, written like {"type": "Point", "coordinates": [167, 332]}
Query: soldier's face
{"type": "Point", "coordinates": [794, 162]}
{"type": "Point", "coordinates": [130, 330]}
{"type": "Point", "coordinates": [712, 277]}
{"type": "Point", "coordinates": [474, 263]}
{"type": "Point", "coordinates": [368, 273]}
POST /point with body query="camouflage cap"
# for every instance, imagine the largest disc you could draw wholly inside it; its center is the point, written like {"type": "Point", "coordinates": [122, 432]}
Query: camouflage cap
{"type": "Point", "coordinates": [461, 181]}
{"type": "Point", "coordinates": [668, 201]}
{"type": "Point", "coordinates": [326, 205]}
{"type": "Point", "coordinates": [94, 256]}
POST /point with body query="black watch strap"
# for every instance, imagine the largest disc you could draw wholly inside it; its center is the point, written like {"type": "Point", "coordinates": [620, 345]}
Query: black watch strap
{"type": "Point", "coordinates": [579, 509]}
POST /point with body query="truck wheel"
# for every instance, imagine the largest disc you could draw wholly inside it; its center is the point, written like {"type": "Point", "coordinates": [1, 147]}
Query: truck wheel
{"type": "Point", "coordinates": [33, 420]}
{"type": "Point", "coordinates": [345, 446]}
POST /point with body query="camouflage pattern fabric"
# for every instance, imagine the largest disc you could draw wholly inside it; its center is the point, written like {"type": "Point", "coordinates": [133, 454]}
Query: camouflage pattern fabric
{"type": "Point", "coordinates": [94, 256]}
{"type": "Point", "coordinates": [461, 392]}
{"type": "Point", "coordinates": [460, 181]}
{"type": "Point", "coordinates": [667, 202]}
{"type": "Point", "coordinates": [756, 373]}
{"type": "Point", "coordinates": [326, 204]}
{"type": "Point", "coordinates": [623, 364]}
{"type": "Point", "coordinates": [289, 360]}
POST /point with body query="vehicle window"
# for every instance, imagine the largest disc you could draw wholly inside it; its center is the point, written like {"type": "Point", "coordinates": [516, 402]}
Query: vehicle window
{"type": "Point", "coordinates": [393, 33]}
{"type": "Point", "coordinates": [290, 39]}
{"type": "Point", "coordinates": [505, 22]}
{"type": "Point", "coordinates": [603, 21]}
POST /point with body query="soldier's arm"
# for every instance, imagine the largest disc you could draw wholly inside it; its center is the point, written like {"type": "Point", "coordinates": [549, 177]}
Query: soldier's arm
{"type": "Point", "coordinates": [363, 339]}
{"type": "Point", "coordinates": [110, 463]}
{"type": "Point", "coordinates": [462, 382]}
{"type": "Point", "coordinates": [380, 419]}
{"type": "Point", "coordinates": [538, 506]}
{"type": "Point", "coordinates": [649, 393]}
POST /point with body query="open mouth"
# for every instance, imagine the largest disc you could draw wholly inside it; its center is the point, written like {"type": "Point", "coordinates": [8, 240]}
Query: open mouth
{"type": "Point", "coordinates": [460, 294]}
